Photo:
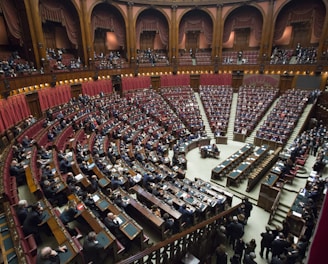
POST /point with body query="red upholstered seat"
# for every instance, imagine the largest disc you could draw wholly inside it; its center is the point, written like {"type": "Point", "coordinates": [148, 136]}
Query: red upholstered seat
{"type": "Point", "coordinates": [29, 248]}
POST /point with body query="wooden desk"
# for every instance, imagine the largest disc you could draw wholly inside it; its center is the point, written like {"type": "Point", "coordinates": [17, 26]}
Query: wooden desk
{"type": "Point", "coordinates": [295, 214]}
{"type": "Point", "coordinates": [103, 182]}
{"type": "Point", "coordinates": [235, 176]}
{"type": "Point", "coordinates": [187, 146]}
{"type": "Point", "coordinates": [135, 207]}
{"type": "Point", "coordinates": [130, 230]}
{"type": "Point", "coordinates": [142, 194]}
{"type": "Point", "coordinates": [221, 140]}
{"type": "Point", "coordinates": [226, 166]}
{"type": "Point", "coordinates": [268, 192]}
{"type": "Point", "coordinates": [105, 239]}
{"type": "Point", "coordinates": [187, 198]}
{"type": "Point", "coordinates": [70, 254]}
{"type": "Point", "coordinates": [215, 190]}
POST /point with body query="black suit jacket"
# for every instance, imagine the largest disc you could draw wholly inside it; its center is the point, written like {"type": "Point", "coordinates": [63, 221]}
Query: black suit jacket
{"type": "Point", "coordinates": [93, 251]}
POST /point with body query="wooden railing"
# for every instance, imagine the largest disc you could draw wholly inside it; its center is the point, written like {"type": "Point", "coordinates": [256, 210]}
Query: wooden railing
{"type": "Point", "coordinates": [196, 240]}
{"type": "Point", "coordinates": [274, 206]}
{"type": "Point", "coordinates": [28, 81]}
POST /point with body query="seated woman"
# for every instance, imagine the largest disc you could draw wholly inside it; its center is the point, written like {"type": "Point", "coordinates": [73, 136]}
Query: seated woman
{"type": "Point", "coordinates": [70, 212]}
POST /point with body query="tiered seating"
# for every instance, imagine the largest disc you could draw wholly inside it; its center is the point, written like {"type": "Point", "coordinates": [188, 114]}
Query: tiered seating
{"type": "Point", "coordinates": [203, 58]}
{"type": "Point", "coordinates": [185, 59]}
{"type": "Point", "coordinates": [229, 57]}
{"type": "Point", "coordinates": [183, 101]}
{"type": "Point", "coordinates": [217, 103]}
{"type": "Point", "coordinates": [284, 117]}
{"type": "Point", "coordinates": [299, 55]}
{"type": "Point", "coordinates": [252, 103]}
{"type": "Point", "coordinates": [148, 58]}
{"type": "Point", "coordinates": [128, 127]}
{"type": "Point", "coordinates": [250, 56]}
{"type": "Point", "coordinates": [156, 107]}
{"type": "Point", "coordinates": [245, 57]}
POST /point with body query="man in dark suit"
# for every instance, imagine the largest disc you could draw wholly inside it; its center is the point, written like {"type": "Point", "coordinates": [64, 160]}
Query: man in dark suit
{"type": "Point", "coordinates": [65, 166]}
{"type": "Point", "coordinates": [22, 211]}
{"type": "Point", "coordinates": [279, 245]}
{"type": "Point", "coordinates": [116, 182]}
{"type": "Point", "coordinates": [18, 171]}
{"type": "Point", "coordinates": [32, 222]}
{"type": "Point", "coordinates": [267, 238]}
{"type": "Point", "coordinates": [93, 251]}
{"type": "Point", "coordinates": [112, 223]}
{"type": "Point", "coordinates": [235, 231]}
{"type": "Point", "coordinates": [187, 216]}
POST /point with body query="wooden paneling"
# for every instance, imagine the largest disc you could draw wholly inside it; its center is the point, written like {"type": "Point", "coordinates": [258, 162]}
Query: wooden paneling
{"type": "Point", "coordinates": [34, 104]}
{"type": "Point", "coordinates": [76, 90]}
{"type": "Point", "coordinates": [194, 81]}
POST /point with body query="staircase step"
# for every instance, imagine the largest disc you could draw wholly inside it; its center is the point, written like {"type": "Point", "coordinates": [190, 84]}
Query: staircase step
{"type": "Point", "coordinates": [208, 129]}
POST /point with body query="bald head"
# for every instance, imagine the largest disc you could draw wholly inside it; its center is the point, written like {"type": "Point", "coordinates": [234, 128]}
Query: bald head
{"type": "Point", "coordinates": [46, 252]}
{"type": "Point", "coordinates": [111, 216]}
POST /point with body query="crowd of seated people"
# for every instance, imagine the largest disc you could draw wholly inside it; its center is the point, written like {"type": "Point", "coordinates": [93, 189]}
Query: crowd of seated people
{"type": "Point", "coordinates": [125, 119]}
{"type": "Point", "coordinates": [157, 108]}
{"type": "Point", "coordinates": [240, 57]}
{"type": "Point", "coordinates": [14, 65]}
{"type": "Point", "coordinates": [183, 102]}
{"type": "Point", "coordinates": [299, 55]}
{"type": "Point", "coordinates": [283, 118]}
{"type": "Point", "coordinates": [217, 103]}
{"type": "Point", "coordinates": [125, 124]}
{"type": "Point", "coordinates": [150, 57]}
{"type": "Point", "coordinates": [59, 59]}
{"type": "Point", "coordinates": [252, 103]}
{"type": "Point", "coordinates": [112, 60]}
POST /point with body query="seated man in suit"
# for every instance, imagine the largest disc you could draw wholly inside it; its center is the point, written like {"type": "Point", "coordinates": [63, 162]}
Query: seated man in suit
{"type": "Point", "coordinates": [18, 171]}
{"type": "Point", "coordinates": [112, 222]}
{"type": "Point", "coordinates": [187, 215]}
{"type": "Point", "coordinates": [32, 222]}
{"type": "Point", "coordinates": [116, 182]}
{"type": "Point", "coordinates": [52, 193]}
{"type": "Point", "coordinates": [22, 210]}
{"type": "Point", "coordinates": [65, 165]}
{"type": "Point", "coordinates": [93, 251]}
{"type": "Point", "coordinates": [27, 142]}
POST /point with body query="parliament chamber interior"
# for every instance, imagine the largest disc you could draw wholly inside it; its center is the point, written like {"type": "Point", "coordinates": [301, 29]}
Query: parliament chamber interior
{"type": "Point", "coordinates": [180, 131]}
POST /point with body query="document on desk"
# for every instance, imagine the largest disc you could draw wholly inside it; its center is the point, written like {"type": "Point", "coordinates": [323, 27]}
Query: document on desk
{"type": "Point", "coordinates": [95, 198]}
{"type": "Point", "coordinates": [118, 220]}
{"type": "Point", "coordinates": [297, 214]}
{"type": "Point", "coordinates": [78, 177]}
